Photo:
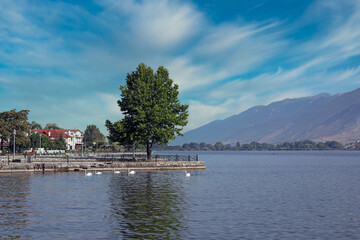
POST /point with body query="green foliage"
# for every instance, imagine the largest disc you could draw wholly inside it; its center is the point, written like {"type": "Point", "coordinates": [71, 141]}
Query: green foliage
{"type": "Point", "coordinates": [219, 146]}
{"type": "Point", "coordinates": [45, 141]}
{"type": "Point", "coordinates": [93, 135]}
{"type": "Point", "coordinates": [35, 140]}
{"type": "Point", "coordinates": [13, 120]}
{"type": "Point", "coordinates": [34, 125]}
{"type": "Point", "coordinates": [152, 112]}
{"type": "Point", "coordinates": [52, 126]}
{"type": "Point", "coordinates": [59, 143]}
{"type": "Point", "coordinates": [116, 146]}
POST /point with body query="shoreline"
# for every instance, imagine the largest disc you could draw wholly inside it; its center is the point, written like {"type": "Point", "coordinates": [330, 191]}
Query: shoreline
{"type": "Point", "coordinates": [123, 170]}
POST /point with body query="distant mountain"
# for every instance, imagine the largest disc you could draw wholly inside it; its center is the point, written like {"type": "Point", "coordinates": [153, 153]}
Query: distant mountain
{"type": "Point", "coordinates": [321, 118]}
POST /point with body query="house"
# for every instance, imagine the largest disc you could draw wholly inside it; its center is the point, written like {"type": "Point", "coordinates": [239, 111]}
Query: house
{"type": "Point", "coordinates": [73, 137]}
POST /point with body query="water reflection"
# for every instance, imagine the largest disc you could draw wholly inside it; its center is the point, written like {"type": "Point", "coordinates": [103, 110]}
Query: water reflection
{"type": "Point", "coordinates": [147, 205]}
{"type": "Point", "coordinates": [14, 189]}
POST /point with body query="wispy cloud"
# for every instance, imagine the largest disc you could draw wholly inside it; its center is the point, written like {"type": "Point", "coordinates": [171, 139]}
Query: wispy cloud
{"type": "Point", "coordinates": [225, 51]}
{"type": "Point", "coordinates": [66, 61]}
{"type": "Point", "coordinates": [154, 25]}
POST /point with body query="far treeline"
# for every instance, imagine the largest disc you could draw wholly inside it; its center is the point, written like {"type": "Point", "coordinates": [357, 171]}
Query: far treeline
{"type": "Point", "coordinates": [255, 146]}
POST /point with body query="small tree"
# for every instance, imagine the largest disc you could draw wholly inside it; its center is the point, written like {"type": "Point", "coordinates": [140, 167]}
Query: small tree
{"type": "Point", "coordinates": [35, 140]}
{"type": "Point", "coordinates": [92, 134]}
{"type": "Point", "coordinates": [152, 111]}
{"type": "Point", "coordinates": [59, 143]}
{"type": "Point", "coordinates": [34, 125]}
{"type": "Point", "coordinates": [52, 126]}
{"type": "Point", "coordinates": [46, 142]}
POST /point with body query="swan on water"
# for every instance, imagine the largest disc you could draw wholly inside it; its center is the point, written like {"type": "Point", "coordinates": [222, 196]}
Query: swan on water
{"type": "Point", "coordinates": [131, 172]}
{"type": "Point", "coordinates": [88, 174]}
{"type": "Point", "coordinates": [98, 173]}
{"type": "Point", "coordinates": [116, 171]}
{"type": "Point", "coordinates": [187, 174]}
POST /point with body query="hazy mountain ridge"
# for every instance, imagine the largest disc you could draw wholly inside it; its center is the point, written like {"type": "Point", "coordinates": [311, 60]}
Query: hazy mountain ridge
{"type": "Point", "coordinates": [322, 117]}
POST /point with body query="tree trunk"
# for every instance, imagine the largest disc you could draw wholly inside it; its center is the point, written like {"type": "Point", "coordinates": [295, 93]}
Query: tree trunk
{"type": "Point", "coordinates": [2, 146]}
{"type": "Point", "coordinates": [133, 147]}
{"type": "Point", "coordinates": [148, 151]}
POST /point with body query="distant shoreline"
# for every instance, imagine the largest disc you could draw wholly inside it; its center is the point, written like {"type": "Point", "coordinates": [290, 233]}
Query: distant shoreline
{"type": "Point", "coordinates": [305, 145]}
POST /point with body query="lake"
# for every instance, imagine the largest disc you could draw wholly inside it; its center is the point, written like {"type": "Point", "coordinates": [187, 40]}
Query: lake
{"type": "Point", "coordinates": [241, 195]}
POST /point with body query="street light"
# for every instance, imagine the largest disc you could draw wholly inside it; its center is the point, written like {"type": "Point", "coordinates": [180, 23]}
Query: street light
{"type": "Point", "coordinates": [40, 144]}
{"type": "Point", "coordinates": [14, 144]}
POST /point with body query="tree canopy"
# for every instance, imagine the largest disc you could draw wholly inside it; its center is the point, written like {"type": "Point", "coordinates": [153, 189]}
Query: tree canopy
{"type": "Point", "coordinates": [52, 126]}
{"type": "Point", "coordinates": [13, 120]}
{"type": "Point", "coordinates": [45, 141]}
{"type": "Point", "coordinates": [152, 111]}
{"type": "Point", "coordinates": [34, 125]}
{"type": "Point", "coordinates": [60, 143]}
{"type": "Point", "coordinates": [92, 134]}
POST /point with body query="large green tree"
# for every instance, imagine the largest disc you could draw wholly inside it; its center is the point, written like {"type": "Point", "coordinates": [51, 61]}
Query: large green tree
{"type": "Point", "coordinates": [151, 108]}
{"type": "Point", "coordinates": [14, 120]}
{"type": "Point", "coordinates": [92, 134]}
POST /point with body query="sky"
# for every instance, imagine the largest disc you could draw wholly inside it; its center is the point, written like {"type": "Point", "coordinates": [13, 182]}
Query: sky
{"type": "Point", "coordinates": [65, 60]}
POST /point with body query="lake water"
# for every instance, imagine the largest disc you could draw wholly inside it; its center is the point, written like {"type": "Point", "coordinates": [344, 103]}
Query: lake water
{"type": "Point", "coordinates": [241, 195]}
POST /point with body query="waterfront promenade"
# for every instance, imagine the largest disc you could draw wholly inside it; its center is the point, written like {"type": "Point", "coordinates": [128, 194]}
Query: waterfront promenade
{"type": "Point", "coordinates": [108, 162]}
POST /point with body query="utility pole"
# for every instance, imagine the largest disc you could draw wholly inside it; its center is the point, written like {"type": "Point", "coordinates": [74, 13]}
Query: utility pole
{"type": "Point", "coordinates": [14, 144]}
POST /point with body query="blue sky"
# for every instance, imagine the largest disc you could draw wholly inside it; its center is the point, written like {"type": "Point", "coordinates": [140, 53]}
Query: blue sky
{"type": "Point", "coordinates": [65, 60]}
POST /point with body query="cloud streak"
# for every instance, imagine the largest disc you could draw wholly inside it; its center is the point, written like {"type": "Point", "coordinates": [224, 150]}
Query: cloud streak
{"type": "Point", "coordinates": [65, 62]}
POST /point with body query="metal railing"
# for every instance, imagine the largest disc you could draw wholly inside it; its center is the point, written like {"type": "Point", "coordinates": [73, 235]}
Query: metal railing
{"type": "Point", "coordinates": [177, 157]}
{"type": "Point", "coordinates": [118, 157]}
{"type": "Point", "coordinates": [139, 157]}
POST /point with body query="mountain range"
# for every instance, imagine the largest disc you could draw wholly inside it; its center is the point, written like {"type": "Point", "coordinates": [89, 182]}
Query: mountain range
{"type": "Point", "coordinates": [323, 117]}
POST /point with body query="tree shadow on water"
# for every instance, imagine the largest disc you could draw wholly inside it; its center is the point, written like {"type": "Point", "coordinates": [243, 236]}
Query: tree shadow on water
{"type": "Point", "coordinates": [147, 206]}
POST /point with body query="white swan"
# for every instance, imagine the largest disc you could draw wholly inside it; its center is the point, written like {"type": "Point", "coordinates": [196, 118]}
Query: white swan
{"type": "Point", "coordinates": [187, 174]}
{"type": "Point", "coordinates": [88, 174]}
{"type": "Point", "coordinates": [98, 173]}
{"type": "Point", "coordinates": [131, 172]}
{"type": "Point", "coordinates": [116, 171]}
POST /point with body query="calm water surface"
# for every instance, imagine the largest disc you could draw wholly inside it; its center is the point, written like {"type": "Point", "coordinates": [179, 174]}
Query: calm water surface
{"type": "Point", "coordinates": [241, 195]}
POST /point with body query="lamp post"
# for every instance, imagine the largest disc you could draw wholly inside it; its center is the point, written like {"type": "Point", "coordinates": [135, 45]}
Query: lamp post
{"type": "Point", "coordinates": [40, 144]}
{"type": "Point", "coordinates": [14, 133]}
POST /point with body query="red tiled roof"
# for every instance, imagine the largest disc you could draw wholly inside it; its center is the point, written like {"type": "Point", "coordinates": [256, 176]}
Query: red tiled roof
{"type": "Point", "coordinates": [55, 133]}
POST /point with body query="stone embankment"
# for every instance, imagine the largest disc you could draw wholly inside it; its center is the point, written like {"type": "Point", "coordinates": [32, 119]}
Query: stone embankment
{"type": "Point", "coordinates": [60, 164]}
